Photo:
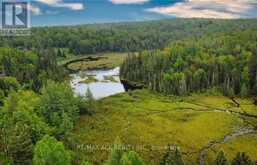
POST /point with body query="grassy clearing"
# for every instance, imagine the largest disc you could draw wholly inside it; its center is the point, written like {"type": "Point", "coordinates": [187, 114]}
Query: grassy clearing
{"type": "Point", "coordinates": [97, 61]}
{"type": "Point", "coordinates": [149, 121]}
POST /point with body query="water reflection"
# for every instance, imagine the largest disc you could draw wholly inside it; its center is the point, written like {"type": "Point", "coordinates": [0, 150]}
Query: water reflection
{"type": "Point", "coordinates": [101, 88]}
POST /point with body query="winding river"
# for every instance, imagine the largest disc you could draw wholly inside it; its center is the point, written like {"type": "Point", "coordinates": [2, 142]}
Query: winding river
{"type": "Point", "coordinates": [101, 87]}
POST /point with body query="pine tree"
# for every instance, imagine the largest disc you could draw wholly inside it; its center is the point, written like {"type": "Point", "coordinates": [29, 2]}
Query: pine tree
{"type": "Point", "coordinates": [116, 153]}
{"type": "Point", "coordinates": [242, 159]}
{"type": "Point", "coordinates": [131, 158]}
{"type": "Point", "coordinates": [220, 159]}
{"type": "Point", "coordinates": [20, 146]}
{"type": "Point", "coordinates": [91, 103]}
{"type": "Point", "coordinates": [172, 156]}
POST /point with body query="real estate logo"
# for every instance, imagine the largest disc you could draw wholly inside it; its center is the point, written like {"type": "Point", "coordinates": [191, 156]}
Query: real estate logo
{"type": "Point", "coordinates": [15, 18]}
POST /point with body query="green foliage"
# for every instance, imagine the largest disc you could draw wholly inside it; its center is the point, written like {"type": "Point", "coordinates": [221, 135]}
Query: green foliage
{"type": "Point", "coordinates": [19, 145]}
{"type": "Point", "coordinates": [85, 163]}
{"type": "Point", "coordinates": [119, 157]}
{"type": "Point", "coordinates": [49, 151]}
{"type": "Point", "coordinates": [30, 69]}
{"type": "Point", "coordinates": [220, 159]}
{"type": "Point", "coordinates": [21, 108]}
{"type": "Point", "coordinates": [21, 127]}
{"type": "Point", "coordinates": [253, 70]}
{"type": "Point", "coordinates": [86, 104]}
{"type": "Point", "coordinates": [125, 37]}
{"type": "Point", "coordinates": [172, 156]}
{"type": "Point", "coordinates": [91, 102]}
{"type": "Point", "coordinates": [59, 107]}
{"type": "Point", "coordinates": [2, 96]}
{"type": "Point", "coordinates": [195, 65]}
{"type": "Point", "coordinates": [131, 158]}
{"type": "Point", "coordinates": [116, 153]}
{"type": "Point", "coordinates": [4, 160]}
{"type": "Point", "coordinates": [244, 91]}
{"type": "Point", "coordinates": [8, 83]}
{"type": "Point", "coordinates": [242, 159]}
{"type": "Point", "coordinates": [19, 64]}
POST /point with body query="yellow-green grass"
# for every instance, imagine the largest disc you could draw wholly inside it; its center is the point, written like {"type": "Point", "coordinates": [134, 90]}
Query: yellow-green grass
{"type": "Point", "coordinates": [101, 61]}
{"type": "Point", "coordinates": [246, 106]}
{"type": "Point", "coordinates": [225, 103]}
{"type": "Point", "coordinates": [150, 120]}
{"type": "Point", "coordinates": [89, 79]}
{"type": "Point", "coordinates": [247, 144]}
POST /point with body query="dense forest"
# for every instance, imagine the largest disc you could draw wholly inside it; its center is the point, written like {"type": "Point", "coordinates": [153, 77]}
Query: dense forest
{"type": "Point", "coordinates": [38, 109]}
{"type": "Point", "coordinates": [225, 61]}
{"type": "Point", "coordinates": [123, 37]}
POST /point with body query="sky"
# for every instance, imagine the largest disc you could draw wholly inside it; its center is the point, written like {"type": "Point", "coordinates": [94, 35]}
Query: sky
{"type": "Point", "coordinates": [74, 12]}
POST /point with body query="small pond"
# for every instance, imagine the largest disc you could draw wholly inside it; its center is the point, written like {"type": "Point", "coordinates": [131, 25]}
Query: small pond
{"type": "Point", "coordinates": [103, 82]}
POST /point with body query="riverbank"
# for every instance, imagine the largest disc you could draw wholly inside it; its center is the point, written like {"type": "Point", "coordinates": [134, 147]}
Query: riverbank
{"type": "Point", "coordinates": [93, 62]}
{"type": "Point", "coordinates": [148, 121]}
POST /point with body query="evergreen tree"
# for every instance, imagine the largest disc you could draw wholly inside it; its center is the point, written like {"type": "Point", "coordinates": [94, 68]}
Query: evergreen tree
{"type": "Point", "coordinates": [242, 159]}
{"type": "Point", "coordinates": [172, 156]}
{"type": "Point", "coordinates": [59, 107]}
{"type": "Point", "coordinates": [116, 153]}
{"type": "Point", "coordinates": [220, 159]}
{"type": "Point", "coordinates": [20, 146]}
{"type": "Point", "coordinates": [131, 158]}
{"type": "Point", "coordinates": [91, 103]}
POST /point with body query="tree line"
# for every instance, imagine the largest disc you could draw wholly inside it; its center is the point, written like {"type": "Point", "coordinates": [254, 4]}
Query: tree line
{"type": "Point", "coordinates": [122, 37]}
{"type": "Point", "coordinates": [227, 62]}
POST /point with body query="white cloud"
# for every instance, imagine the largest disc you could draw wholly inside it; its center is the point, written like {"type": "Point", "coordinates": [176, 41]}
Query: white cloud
{"type": "Point", "coordinates": [61, 3]}
{"type": "Point", "coordinates": [35, 10]}
{"type": "Point", "coordinates": [128, 1]}
{"type": "Point", "coordinates": [208, 8]}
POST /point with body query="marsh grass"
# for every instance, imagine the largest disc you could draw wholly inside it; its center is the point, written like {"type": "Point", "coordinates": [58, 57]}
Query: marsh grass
{"type": "Point", "coordinates": [143, 118]}
{"type": "Point", "coordinates": [96, 61]}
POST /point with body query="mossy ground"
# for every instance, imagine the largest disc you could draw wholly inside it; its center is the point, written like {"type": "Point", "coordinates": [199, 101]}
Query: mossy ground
{"type": "Point", "coordinates": [148, 122]}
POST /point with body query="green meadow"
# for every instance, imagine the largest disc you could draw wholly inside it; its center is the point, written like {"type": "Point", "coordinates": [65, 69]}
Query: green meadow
{"type": "Point", "coordinates": [147, 122]}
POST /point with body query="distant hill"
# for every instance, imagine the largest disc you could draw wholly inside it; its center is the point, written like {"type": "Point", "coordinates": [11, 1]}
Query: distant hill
{"type": "Point", "coordinates": [124, 37]}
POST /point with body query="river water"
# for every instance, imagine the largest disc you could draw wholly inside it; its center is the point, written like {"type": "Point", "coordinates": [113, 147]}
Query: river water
{"type": "Point", "coordinates": [102, 87]}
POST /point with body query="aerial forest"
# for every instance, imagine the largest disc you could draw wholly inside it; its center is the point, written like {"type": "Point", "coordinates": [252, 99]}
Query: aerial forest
{"type": "Point", "coordinates": [43, 121]}
{"type": "Point", "coordinates": [227, 62]}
